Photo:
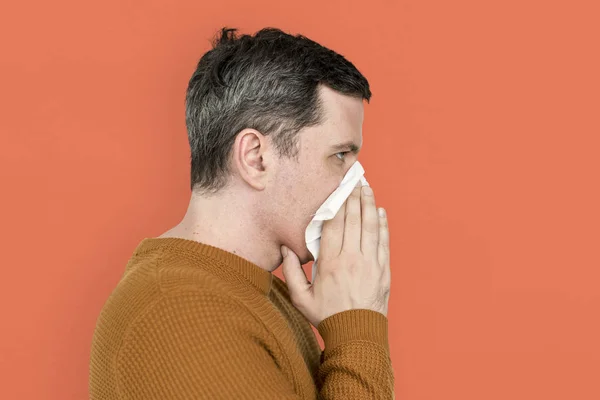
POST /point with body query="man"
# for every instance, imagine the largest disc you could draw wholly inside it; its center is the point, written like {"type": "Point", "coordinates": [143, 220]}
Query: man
{"type": "Point", "coordinates": [274, 123]}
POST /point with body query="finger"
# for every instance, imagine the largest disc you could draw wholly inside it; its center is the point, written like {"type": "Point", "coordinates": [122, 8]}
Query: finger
{"type": "Point", "coordinates": [370, 224]}
{"type": "Point", "coordinates": [383, 250]}
{"type": "Point", "coordinates": [332, 235]}
{"type": "Point", "coordinates": [295, 278]}
{"type": "Point", "coordinates": [352, 223]}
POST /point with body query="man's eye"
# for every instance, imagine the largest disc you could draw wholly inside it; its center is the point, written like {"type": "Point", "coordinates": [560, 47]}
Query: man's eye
{"type": "Point", "coordinates": [343, 153]}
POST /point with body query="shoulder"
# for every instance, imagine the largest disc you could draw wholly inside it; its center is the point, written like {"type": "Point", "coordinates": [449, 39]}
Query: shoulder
{"type": "Point", "coordinates": [158, 275]}
{"type": "Point", "coordinates": [156, 291]}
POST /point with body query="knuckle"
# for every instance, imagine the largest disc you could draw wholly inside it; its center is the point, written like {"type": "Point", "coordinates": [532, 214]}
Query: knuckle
{"type": "Point", "coordinates": [386, 286]}
{"type": "Point", "coordinates": [353, 220]}
{"type": "Point", "coordinates": [294, 301]}
{"type": "Point", "coordinates": [369, 200]}
{"type": "Point", "coordinates": [335, 274]}
{"type": "Point", "coordinates": [346, 256]}
{"type": "Point", "coordinates": [383, 222]}
{"type": "Point", "coordinates": [370, 227]}
{"type": "Point", "coordinates": [354, 264]}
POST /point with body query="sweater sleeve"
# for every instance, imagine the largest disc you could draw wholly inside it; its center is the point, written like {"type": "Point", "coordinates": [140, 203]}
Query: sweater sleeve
{"type": "Point", "coordinates": [356, 362]}
{"type": "Point", "coordinates": [204, 345]}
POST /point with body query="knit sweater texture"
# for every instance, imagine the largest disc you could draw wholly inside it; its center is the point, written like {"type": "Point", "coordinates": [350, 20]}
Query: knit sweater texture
{"type": "Point", "coordinates": [191, 321]}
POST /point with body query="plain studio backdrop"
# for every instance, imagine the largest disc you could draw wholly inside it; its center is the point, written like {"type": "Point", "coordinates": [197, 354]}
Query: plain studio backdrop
{"type": "Point", "coordinates": [481, 140]}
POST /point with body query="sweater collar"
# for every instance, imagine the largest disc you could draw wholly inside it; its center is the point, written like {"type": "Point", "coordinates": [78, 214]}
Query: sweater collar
{"type": "Point", "coordinates": [238, 266]}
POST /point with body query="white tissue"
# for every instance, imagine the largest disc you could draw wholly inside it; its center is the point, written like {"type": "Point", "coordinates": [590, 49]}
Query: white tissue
{"type": "Point", "coordinates": [329, 208]}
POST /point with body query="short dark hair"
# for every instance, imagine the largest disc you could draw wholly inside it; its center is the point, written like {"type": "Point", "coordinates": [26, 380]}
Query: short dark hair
{"type": "Point", "coordinates": [266, 82]}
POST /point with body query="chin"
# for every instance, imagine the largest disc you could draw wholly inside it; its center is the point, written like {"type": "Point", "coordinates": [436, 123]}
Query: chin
{"type": "Point", "coordinates": [299, 247]}
{"type": "Point", "coordinates": [306, 257]}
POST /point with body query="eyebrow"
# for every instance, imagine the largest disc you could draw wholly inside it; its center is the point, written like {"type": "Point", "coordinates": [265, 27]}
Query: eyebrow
{"type": "Point", "coordinates": [346, 145]}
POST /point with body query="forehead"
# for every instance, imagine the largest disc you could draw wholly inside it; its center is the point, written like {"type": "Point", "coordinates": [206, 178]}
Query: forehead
{"type": "Point", "coordinates": [342, 117]}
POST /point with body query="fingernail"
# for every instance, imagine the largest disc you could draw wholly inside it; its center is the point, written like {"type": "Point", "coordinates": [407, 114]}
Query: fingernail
{"type": "Point", "coordinates": [367, 190]}
{"type": "Point", "coordinates": [284, 251]}
{"type": "Point", "coordinates": [381, 212]}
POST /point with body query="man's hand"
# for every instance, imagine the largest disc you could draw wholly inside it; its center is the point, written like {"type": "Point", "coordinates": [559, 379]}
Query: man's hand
{"type": "Point", "coordinates": [354, 263]}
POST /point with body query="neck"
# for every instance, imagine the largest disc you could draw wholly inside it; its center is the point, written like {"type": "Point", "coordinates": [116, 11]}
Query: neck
{"type": "Point", "coordinates": [225, 222]}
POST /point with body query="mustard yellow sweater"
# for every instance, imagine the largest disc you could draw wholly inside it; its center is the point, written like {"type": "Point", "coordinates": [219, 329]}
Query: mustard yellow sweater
{"type": "Point", "coordinates": [191, 321]}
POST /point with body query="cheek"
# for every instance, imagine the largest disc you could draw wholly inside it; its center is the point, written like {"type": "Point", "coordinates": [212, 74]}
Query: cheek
{"type": "Point", "coordinates": [300, 202]}
{"type": "Point", "coordinates": [324, 190]}
{"type": "Point", "coordinates": [300, 195]}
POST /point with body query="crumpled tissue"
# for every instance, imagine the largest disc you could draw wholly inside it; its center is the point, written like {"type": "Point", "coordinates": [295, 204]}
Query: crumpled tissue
{"type": "Point", "coordinates": [329, 208]}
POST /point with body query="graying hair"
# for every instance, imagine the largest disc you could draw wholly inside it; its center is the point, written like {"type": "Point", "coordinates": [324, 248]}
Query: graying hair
{"type": "Point", "coordinates": [266, 82]}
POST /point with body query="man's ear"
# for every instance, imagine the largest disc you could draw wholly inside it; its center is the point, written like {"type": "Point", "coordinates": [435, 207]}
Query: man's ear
{"type": "Point", "coordinates": [249, 157]}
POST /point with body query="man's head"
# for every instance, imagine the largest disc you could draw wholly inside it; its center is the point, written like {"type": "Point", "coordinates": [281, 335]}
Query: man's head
{"type": "Point", "coordinates": [277, 120]}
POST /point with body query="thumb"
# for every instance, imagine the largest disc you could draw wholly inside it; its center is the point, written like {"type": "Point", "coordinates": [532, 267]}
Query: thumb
{"type": "Point", "coordinates": [293, 273]}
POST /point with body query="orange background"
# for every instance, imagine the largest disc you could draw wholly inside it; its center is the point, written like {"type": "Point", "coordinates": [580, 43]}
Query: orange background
{"type": "Point", "coordinates": [481, 140]}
